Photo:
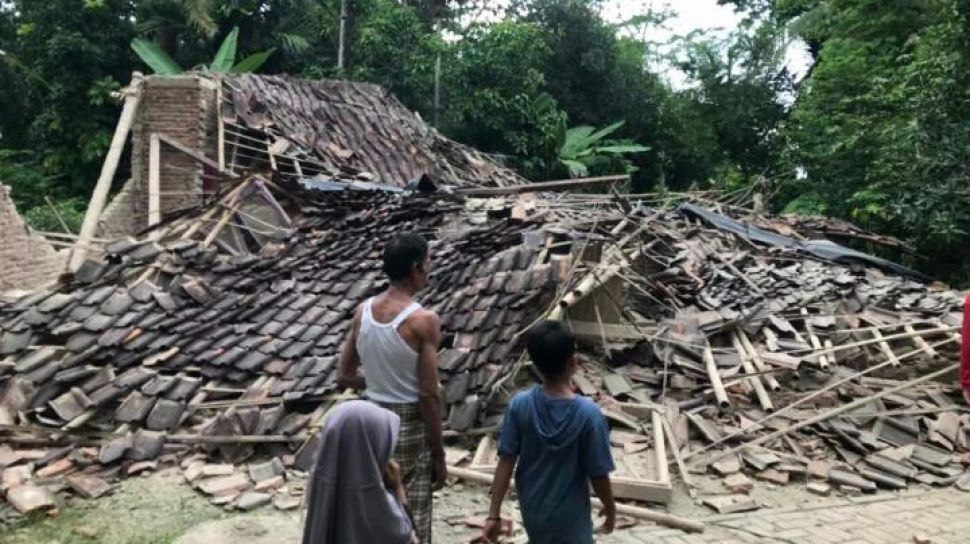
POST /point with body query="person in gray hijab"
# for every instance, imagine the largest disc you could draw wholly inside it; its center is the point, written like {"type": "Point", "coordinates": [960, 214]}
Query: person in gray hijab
{"type": "Point", "coordinates": [356, 494]}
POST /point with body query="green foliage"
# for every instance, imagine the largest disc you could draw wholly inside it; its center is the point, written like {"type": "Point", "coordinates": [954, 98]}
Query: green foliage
{"type": "Point", "coordinates": [585, 149]}
{"type": "Point", "coordinates": [48, 218]}
{"type": "Point", "coordinates": [877, 131]}
{"type": "Point", "coordinates": [152, 54]}
{"type": "Point", "coordinates": [226, 55]}
{"type": "Point", "coordinates": [156, 58]}
{"type": "Point", "coordinates": [881, 127]}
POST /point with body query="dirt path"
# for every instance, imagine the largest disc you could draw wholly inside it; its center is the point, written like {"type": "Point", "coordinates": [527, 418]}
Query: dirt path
{"type": "Point", "coordinates": [160, 508]}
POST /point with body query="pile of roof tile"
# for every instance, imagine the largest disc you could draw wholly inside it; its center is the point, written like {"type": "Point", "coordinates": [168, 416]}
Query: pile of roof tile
{"type": "Point", "coordinates": [753, 350]}
{"type": "Point", "coordinates": [219, 332]}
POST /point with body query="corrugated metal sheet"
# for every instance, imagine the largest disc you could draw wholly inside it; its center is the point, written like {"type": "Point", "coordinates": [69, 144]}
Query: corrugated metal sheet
{"type": "Point", "coordinates": [354, 129]}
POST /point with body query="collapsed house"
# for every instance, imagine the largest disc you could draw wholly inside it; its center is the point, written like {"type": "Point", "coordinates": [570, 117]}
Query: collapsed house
{"type": "Point", "coordinates": [714, 339]}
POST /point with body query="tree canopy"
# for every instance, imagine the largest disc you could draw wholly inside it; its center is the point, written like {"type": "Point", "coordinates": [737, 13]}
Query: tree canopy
{"type": "Point", "coordinates": [875, 132]}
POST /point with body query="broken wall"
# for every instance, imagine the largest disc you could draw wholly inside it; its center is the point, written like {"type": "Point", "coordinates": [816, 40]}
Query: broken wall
{"type": "Point", "coordinates": [183, 108]}
{"type": "Point", "coordinates": [26, 260]}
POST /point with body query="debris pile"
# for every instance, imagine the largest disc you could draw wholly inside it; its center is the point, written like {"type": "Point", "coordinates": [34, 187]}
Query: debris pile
{"type": "Point", "coordinates": [715, 339]}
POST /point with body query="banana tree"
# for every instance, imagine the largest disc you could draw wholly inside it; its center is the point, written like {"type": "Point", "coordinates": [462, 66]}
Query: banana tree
{"type": "Point", "coordinates": [224, 61]}
{"type": "Point", "coordinates": [584, 148]}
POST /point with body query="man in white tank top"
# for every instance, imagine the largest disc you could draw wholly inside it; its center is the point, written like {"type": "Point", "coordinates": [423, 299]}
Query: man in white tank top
{"type": "Point", "coordinates": [396, 342]}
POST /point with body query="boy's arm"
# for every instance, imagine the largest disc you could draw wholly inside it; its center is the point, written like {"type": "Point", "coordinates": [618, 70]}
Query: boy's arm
{"type": "Point", "coordinates": [500, 487]}
{"type": "Point", "coordinates": [604, 490]}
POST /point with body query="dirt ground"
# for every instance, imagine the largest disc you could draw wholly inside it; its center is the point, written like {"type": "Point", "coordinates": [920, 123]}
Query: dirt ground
{"type": "Point", "coordinates": [160, 508]}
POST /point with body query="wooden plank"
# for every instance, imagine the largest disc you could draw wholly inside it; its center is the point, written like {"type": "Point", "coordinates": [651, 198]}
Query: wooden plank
{"type": "Point", "coordinates": [99, 197]}
{"type": "Point", "coordinates": [486, 455]}
{"type": "Point", "coordinates": [641, 490]}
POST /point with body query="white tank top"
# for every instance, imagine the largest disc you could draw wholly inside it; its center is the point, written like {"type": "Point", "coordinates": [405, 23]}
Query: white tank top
{"type": "Point", "coordinates": [390, 364]}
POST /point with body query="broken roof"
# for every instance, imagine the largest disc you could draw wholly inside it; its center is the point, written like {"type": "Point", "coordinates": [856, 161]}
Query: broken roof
{"type": "Point", "coordinates": [348, 129]}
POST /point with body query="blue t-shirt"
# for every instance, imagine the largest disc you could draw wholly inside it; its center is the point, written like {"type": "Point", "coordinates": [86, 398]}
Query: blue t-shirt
{"type": "Point", "coordinates": [560, 445]}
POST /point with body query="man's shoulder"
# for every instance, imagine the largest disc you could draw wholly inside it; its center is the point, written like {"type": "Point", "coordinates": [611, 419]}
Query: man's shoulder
{"type": "Point", "coordinates": [425, 320]}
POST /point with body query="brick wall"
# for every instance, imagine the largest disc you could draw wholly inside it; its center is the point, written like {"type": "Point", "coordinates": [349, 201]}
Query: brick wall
{"type": "Point", "coordinates": [183, 108]}
{"type": "Point", "coordinates": [118, 218]}
{"type": "Point", "coordinates": [26, 261]}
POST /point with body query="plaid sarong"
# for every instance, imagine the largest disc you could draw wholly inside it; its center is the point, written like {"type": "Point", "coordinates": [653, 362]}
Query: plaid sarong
{"type": "Point", "coordinates": [414, 455]}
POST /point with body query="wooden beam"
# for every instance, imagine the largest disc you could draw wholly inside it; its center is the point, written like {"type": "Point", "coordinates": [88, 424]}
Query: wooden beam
{"type": "Point", "coordinates": [611, 330]}
{"type": "Point", "coordinates": [715, 376]}
{"type": "Point", "coordinates": [884, 346]}
{"type": "Point", "coordinates": [660, 447]}
{"type": "Point", "coordinates": [194, 154]}
{"type": "Point", "coordinates": [754, 381]}
{"type": "Point", "coordinates": [154, 180]}
{"type": "Point", "coordinates": [221, 143]}
{"type": "Point", "coordinates": [833, 412]}
{"type": "Point", "coordinates": [755, 357]}
{"type": "Point", "coordinates": [823, 360]}
{"type": "Point", "coordinates": [633, 489]}
{"type": "Point", "coordinates": [99, 197]}
{"type": "Point", "coordinates": [557, 185]}
{"type": "Point", "coordinates": [919, 342]}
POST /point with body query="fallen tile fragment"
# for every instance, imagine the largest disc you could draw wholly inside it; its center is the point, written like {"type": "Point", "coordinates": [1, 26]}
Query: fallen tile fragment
{"type": "Point", "coordinates": [270, 483]}
{"type": "Point", "coordinates": [729, 504]}
{"type": "Point", "coordinates": [222, 485]}
{"type": "Point", "coordinates": [251, 500]}
{"type": "Point", "coordinates": [773, 476]}
{"type": "Point", "coordinates": [819, 488]}
{"type": "Point", "coordinates": [283, 501]}
{"type": "Point", "coordinates": [29, 498]}
{"type": "Point", "coordinates": [87, 486]}
{"type": "Point", "coordinates": [738, 483]}
{"type": "Point", "coordinates": [218, 470]}
{"type": "Point", "coordinates": [265, 471]}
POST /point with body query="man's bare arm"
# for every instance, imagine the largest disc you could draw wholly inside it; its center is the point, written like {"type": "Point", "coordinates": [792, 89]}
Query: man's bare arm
{"type": "Point", "coordinates": [348, 373]}
{"type": "Point", "coordinates": [429, 396]}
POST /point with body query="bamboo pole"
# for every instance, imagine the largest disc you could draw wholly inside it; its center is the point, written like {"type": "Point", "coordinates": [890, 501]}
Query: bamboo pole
{"type": "Point", "coordinates": [678, 458]}
{"type": "Point", "coordinates": [99, 197]}
{"type": "Point", "coordinates": [667, 520]}
{"type": "Point", "coordinates": [809, 397]}
{"type": "Point", "coordinates": [221, 145]}
{"type": "Point", "coordinates": [823, 360]}
{"type": "Point", "coordinates": [754, 381]}
{"type": "Point", "coordinates": [756, 360]}
{"type": "Point", "coordinates": [154, 180]}
{"type": "Point", "coordinates": [919, 341]}
{"type": "Point", "coordinates": [833, 412]}
{"type": "Point", "coordinates": [719, 393]}
{"type": "Point", "coordinates": [660, 448]}
{"type": "Point", "coordinates": [884, 346]}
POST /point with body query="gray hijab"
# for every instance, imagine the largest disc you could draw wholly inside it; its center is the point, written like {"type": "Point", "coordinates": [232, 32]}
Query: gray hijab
{"type": "Point", "coordinates": [349, 503]}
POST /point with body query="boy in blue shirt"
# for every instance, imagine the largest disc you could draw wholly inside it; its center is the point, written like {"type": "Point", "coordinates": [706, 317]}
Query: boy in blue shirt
{"type": "Point", "coordinates": [562, 445]}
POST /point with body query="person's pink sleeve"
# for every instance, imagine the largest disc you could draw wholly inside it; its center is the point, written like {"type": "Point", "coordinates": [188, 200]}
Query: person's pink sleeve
{"type": "Point", "coordinates": [965, 347]}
